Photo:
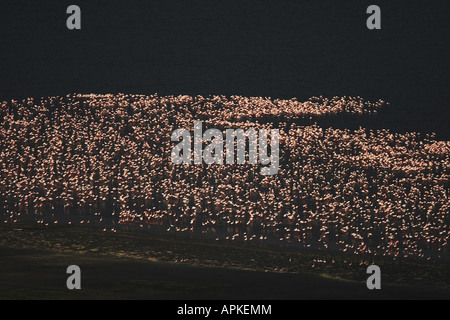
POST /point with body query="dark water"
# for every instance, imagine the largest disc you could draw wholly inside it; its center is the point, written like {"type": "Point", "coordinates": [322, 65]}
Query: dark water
{"type": "Point", "coordinates": [280, 49]}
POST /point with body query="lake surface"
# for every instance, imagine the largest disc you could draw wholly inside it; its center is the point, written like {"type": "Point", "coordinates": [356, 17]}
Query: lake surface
{"type": "Point", "coordinates": [278, 49]}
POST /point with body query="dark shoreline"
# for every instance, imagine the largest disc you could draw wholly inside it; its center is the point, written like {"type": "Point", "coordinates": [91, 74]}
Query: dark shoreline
{"type": "Point", "coordinates": [130, 265]}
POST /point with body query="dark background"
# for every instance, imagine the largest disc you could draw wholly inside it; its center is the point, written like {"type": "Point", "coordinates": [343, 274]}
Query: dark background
{"type": "Point", "coordinates": [278, 49]}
